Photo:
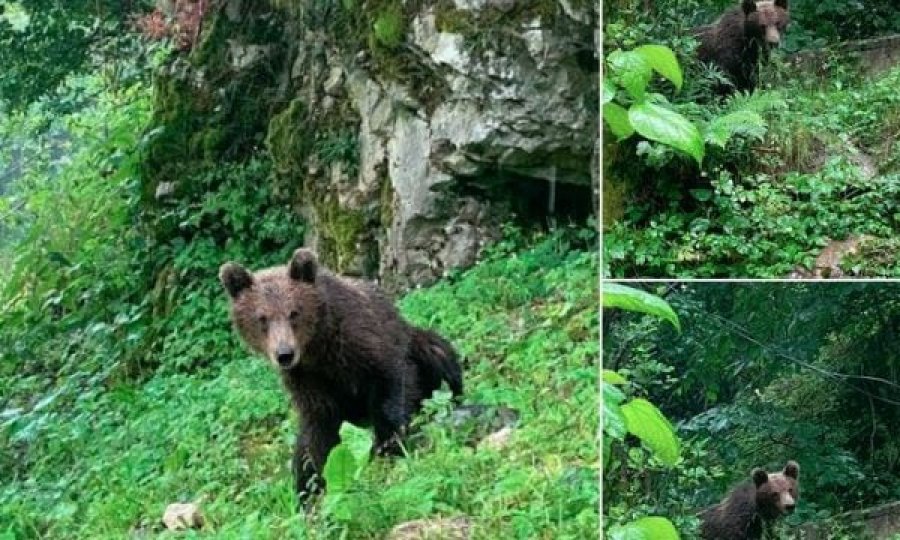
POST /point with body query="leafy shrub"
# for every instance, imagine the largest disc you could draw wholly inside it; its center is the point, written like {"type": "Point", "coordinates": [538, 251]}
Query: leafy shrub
{"type": "Point", "coordinates": [763, 215]}
{"type": "Point", "coordinates": [651, 116]}
{"type": "Point", "coordinates": [43, 42]}
{"type": "Point", "coordinates": [638, 417]}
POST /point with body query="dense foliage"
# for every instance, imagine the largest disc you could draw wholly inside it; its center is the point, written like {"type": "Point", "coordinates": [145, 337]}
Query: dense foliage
{"type": "Point", "coordinates": [821, 166]}
{"type": "Point", "coordinates": [636, 418]}
{"type": "Point", "coordinates": [759, 374]}
{"type": "Point", "coordinates": [44, 41]}
{"type": "Point", "coordinates": [123, 388]}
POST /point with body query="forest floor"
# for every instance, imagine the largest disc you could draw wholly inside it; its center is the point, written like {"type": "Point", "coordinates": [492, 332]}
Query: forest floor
{"type": "Point", "coordinates": [107, 465]}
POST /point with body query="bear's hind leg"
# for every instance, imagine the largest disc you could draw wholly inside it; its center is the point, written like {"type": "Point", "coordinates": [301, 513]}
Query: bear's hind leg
{"type": "Point", "coordinates": [392, 414]}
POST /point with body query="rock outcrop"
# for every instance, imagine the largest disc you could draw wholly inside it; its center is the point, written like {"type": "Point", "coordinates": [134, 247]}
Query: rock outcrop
{"type": "Point", "coordinates": [408, 131]}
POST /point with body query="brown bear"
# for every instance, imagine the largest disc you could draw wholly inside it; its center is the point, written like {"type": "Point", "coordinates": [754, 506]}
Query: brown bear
{"type": "Point", "coordinates": [343, 351]}
{"type": "Point", "coordinates": [752, 508]}
{"type": "Point", "coordinates": [742, 35]}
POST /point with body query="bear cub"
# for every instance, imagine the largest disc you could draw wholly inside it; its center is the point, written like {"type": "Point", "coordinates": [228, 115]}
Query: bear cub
{"type": "Point", "coordinates": [752, 508]}
{"type": "Point", "coordinates": [343, 352]}
{"type": "Point", "coordinates": [742, 35]}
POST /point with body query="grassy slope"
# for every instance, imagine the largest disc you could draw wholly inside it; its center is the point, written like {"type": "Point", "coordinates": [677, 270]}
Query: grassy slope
{"type": "Point", "coordinates": [527, 325]}
{"type": "Point", "coordinates": [804, 189]}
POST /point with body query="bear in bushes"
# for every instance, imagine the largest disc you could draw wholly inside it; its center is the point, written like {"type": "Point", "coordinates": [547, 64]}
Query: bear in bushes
{"type": "Point", "coordinates": [343, 351]}
{"type": "Point", "coordinates": [752, 508]}
{"type": "Point", "coordinates": [741, 37]}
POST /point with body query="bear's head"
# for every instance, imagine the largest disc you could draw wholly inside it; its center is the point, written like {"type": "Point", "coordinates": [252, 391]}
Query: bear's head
{"type": "Point", "coordinates": [777, 493]}
{"type": "Point", "coordinates": [766, 21]}
{"type": "Point", "coordinates": [276, 310]}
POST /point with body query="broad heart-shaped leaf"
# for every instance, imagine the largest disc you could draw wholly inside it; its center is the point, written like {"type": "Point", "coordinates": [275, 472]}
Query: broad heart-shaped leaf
{"type": "Point", "coordinates": [612, 377]}
{"type": "Point", "coordinates": [335, 505]}
{"type": "Point", "coordinates": [666, 126]}
{"type": "Point", "coordinates": [631, 71]}
{"type": "Point", "coordinates": [340, 469]}
{"type": "Point", "coordinates": [609, 90]}
{"type": "Point", "coordinates": [613, 420]}
{"type": "Point", "coordinates": [645, 422]}
{"type": "Point", "coordinates": [722, 128]}
{"type": "Point", "coordinates": [647, 528]}
{"type": "Point", "coordinates": [358, 441]}
{"type": "Point", "coordinates": [616, 117]}
{"type": "Point", "coordinates": [631, 299]}
{"type": "Point", "coordinates": [662, 59]}
{"type": "Point", "coordinates": [346, 460]}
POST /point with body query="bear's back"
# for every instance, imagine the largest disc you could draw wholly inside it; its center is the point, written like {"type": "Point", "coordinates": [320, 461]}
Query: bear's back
{"type": "Point", "coordinates": [735, 518]}
{"type": "Point", "coordinates": [364, 330]}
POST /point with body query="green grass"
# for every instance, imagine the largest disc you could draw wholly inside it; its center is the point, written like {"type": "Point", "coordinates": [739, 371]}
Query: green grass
{"type": "Point", "coordinates": [106, 464]}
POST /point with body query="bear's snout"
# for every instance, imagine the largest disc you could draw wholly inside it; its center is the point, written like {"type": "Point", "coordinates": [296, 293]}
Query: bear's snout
{"type": "Point", "coordinates": [788, 503]}
{"type": "Point", "coordinates": [284, 354]}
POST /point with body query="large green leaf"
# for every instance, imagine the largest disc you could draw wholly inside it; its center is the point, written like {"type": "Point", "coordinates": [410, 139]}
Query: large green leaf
{"type": "Point", "coordinates": [647, 528]}
{"type": "Point", "coordinates": [663, 60]}
{"type": "Point", "coordinates": [609, 90]}
{"type": "Point", "coordinates": [614, 423]}
{"type": "Point", "coordinates": [631, 71]}
{"type": "Point", "coordinates": [620, 296]}
{"type": "Point", "coordinates": [340, 469]}
{"type": "Point", "coordinates": [336, 505]}
{"type": "Point", "coordinates": [666, 126]}
{"type": "Point", "coordinates": [347, 459]}
{"type": "Point", "coordinates": [358, 441]}
{"type": "Point", "coordinates": [645, 422]}
{"type": "Point", "coordinates": [612, 377]}
{"type": "Point", "coordinates": [616, 117]}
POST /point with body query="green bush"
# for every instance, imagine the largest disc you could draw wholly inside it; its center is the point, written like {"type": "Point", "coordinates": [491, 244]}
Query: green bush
{"type": "Point", "coordinates": [761, 210]}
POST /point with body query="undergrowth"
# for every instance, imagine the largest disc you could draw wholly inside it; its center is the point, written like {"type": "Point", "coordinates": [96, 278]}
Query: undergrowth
{"type": "Point", "coordinates": [124, 389]}
{"type": "Point", "coordinates": [109, 462]}
{"type": "Point", "coordinates": [826, 170]}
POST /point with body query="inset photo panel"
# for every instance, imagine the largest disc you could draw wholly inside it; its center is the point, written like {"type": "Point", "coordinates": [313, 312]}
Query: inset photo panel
{"type": "Point", "coordinates": [742, 411]}
{"type": "Point", "coordinates": [751, 139]}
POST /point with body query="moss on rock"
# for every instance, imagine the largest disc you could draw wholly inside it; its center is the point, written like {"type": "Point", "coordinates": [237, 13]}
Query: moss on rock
{"type": "Point", "coordinates": [205, 111]}
{"type": "Point", "coordinates": [289, 139]}
{"type": "Point", "coordinates": [340, 231]}
{"type": "Point", "coordinates": [473, 24]}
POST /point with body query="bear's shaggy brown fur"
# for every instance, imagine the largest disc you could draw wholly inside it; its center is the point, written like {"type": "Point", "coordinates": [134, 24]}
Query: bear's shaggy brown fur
{"type": "Point", "coordinates": [343, 352]}
{"type": "Point", "coordinates": [752, 508]}
{"type": "Point", "coordinates": [735, 41]}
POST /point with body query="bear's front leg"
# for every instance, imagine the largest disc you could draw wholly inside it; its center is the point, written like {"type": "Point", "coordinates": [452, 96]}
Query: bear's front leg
{"type": "Point", "coordinates": [316, 439]}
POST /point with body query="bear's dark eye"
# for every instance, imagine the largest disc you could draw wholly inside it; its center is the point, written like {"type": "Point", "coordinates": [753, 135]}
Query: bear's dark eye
{"type": "Point", "coordinates": [294, 315]}
{"type": "Point", "coordinates": [263, 320]}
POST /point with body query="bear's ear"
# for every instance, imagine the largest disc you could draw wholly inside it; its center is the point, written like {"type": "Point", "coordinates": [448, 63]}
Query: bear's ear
{"type": "Point", "coordinates": [749, 6]}
{"type": "Point", "coordinates": [235, 278]}
{"type": "Point", "coordinates": [783, 4]}
{"type": "Point", "coordinates": [303, 266]}
{"type": "Point", "coordinates": [760, 476]}
{"type": "Point", "coordinates": [792, 469]}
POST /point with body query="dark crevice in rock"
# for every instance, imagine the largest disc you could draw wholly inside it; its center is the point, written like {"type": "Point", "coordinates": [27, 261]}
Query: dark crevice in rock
{"type": "Point", "coordinates": [531, 201]}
